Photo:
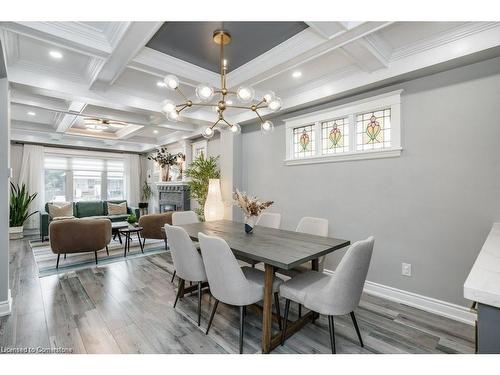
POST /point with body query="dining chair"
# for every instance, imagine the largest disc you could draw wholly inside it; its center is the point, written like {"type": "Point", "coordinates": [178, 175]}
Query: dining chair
{"type": "Point", "coordinates": [334, 295]}
{"type": "Point", "coordinates": [181, 218]}
{"type": "Point", "coordinates": [187, 261]}
{"type": "Point", "coordinates": [269, 220]}
{"type": "Point", "coordinates": [231, 284]}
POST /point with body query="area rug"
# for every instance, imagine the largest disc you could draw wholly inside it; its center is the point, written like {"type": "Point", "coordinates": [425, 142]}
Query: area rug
{"type": "Point", "coordinates": [46, 260]}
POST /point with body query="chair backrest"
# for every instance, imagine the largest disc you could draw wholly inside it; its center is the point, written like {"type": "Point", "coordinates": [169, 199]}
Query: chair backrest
{"type": "Point", "coordinates": [313, 225]}
{"type": "Point", "coordinates": [184, 217]}
{"type": "Point", "coordinates": [75, 235]}
{"type": "Point", "coordinates": [269, 220]}
{"type": "Point", "coordinates": [227, 282]}
{"type": "Point", "coordinates": [342, 294]}
{"type": "Point", "coordinates": [187, 261]}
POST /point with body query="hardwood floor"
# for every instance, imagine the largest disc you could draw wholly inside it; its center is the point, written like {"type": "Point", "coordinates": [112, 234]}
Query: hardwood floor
{"type": "Point", "coordinates": [127, 308]}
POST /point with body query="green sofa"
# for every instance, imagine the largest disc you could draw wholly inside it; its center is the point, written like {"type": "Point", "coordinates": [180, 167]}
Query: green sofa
{"type": "Point", "coordinates": [88, 209]}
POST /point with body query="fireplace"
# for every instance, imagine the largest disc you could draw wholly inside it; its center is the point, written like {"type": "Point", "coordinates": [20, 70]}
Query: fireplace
{"type": "Point", "coordinates": [173, 197]}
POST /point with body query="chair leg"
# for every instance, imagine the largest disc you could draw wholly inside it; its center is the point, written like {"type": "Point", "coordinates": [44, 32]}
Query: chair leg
{"type": "Point", "coordinates": [179, 291]}
{"type": "Point", "coordinates": [242, 326]}
{"type": "Point", "coordinates": [285, 321]}
{"type": "Point", "coordinates": [357, 329]}
{"type": "Point", "coordinates": [300, 310]}
{"type": "Point", "coordinates": [95, 253]}
{"type": "Point", "coordinates": [57, 264]}
{"type": "Point", "coordinates": [278, 312]}
{"type": "Point", "coordinates": [173, 276]}
{"type": "Point", "coordinates": [332, 333]}
{"type": "Point", "coordinates": [64, 255]}
{"type": "Point", "coordinates": [107, 250]}
{"type": "Point", "coordinates": [199, 303]}
{"type": "Point", "coordinates": [212, 315]}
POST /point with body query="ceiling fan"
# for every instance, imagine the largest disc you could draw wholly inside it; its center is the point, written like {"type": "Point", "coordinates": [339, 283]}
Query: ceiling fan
{"type": "Point", "coordinates": [98, 125]}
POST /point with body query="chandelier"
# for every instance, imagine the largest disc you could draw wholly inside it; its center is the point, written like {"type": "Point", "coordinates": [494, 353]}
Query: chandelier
{"type": "Point", "coordinates": [206, 95]}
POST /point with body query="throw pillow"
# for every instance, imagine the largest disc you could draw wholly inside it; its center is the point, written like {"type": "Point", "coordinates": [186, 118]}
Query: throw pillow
{"type": "Point", "coordinates": [117, 208]}
{"type": "Point", "coordinates": [60, 209]}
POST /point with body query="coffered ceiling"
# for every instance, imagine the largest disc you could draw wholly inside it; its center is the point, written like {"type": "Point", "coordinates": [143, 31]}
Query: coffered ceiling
{"type": "Point", "coordinates": [62, 72]}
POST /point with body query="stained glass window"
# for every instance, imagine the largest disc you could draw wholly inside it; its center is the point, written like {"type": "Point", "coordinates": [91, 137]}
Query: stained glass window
{"type": "Point", "coordinates": [373, 130]}
{"type": "Point", "coordinates": [335, 136]}
{"type": "Point", "coordinates": [303, 141]}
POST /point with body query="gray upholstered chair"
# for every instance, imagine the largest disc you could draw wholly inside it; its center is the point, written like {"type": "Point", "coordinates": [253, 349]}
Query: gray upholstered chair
{"type": "Point", "coordinates": [187, 261]}
{"type": "Point", "coordinates": [332, 295]}
{"type": "Point", "coordinates": [269, 220]}
{"type": "Point", "coordinates": [181, 218]}
{"type": "Point", "coordinates": [184, 217]}
{"type": "Point", "coordinates": [231, 284]}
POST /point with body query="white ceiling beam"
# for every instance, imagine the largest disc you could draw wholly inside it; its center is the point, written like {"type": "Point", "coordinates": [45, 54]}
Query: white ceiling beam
{"type": "Point", "coordinates": [132, 41]}
{"type": "Point", "coordinates": [301, 48]}
{"type": "Point", "coordinates": [365, 55]}
{"type": "Point", "coordinates": [67, 120]}
{"type": "Point", "coordinates": [328, 29]}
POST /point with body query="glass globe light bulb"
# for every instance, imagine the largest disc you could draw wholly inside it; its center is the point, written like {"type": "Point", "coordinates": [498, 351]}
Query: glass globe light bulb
{"type": "Point", "coordinates": [167, 106]}
{"type": "Point", "coordinates": [171, 81]}
{"type": "Point", "coordinates": [269, 96]}
{"type": "Point", "coordinates": [267, 127]}
{"type": "Point", "coordinates": [208, 133]}
{"type": "Point", "coordinates": [275, 105]}
{"type": "Point", "coordinates": [204, 92]}
{"type": "Point", "coordinates": [245, 94]}
{"type": "Point", "coordinates": [235, 129]}
{"type": "Point", "coordinates": [173, 116]}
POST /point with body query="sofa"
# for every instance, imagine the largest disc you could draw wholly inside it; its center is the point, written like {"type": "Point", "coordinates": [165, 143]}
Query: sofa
{"type": "Point", "coordinates": [87, 209]}
{"type": "Point", "coordinates": [79, 236]}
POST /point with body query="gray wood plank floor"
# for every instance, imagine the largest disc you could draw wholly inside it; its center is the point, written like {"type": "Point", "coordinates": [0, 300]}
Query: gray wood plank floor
{"type": "Point", "coordinates": [127, 308]}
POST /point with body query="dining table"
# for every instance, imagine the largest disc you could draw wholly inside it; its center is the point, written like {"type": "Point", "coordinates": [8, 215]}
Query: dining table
{"type": "Point", "coordinates": [276, 249]}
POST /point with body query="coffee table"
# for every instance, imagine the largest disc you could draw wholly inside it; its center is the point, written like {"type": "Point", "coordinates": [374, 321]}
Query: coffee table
{"type": "Point", "coordinates": [115, 229]}
{"type": "Point", "coordinates": [127, 232]}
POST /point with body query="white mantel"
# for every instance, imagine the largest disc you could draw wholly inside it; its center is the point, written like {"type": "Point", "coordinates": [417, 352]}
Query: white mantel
{"type": "Point", "coordinates": [483, 283]}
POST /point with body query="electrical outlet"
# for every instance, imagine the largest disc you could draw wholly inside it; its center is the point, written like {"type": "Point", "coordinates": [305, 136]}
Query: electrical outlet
{"type": "Point", "coordinates": [406, 269]}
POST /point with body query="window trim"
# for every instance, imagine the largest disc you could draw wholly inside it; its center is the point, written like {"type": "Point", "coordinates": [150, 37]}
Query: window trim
{"type": "Point", "coordinates": [390, 100]}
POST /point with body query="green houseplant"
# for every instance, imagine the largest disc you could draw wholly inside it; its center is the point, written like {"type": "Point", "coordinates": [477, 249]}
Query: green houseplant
{"type": "Point", "coordinates": [199, 172]}
{"type": "Point", "coordinates": [146, 194]}
{"type": "Point", "coordinates": [20, 200]}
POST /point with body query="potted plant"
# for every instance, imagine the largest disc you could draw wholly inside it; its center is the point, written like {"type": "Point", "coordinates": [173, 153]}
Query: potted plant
{"type": "Point", "coordinates": [251, 207]}
{"type": "Point", "coordinates": [200, 171]}
{"type": "Point", "coordinates": [20, 200]}
{"type": "Point", "coordinates": [164, 159]}
{"type": "Point", "coordinates": [132, 219]}
{"type": "Point", "coordinates": [146, 194]}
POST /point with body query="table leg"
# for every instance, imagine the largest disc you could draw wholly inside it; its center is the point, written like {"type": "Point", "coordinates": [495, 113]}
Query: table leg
{"type": "Point", "coordinates": [125, 248]}
{"type": "Point", "coordinates": [315, 267]}
{"type": "Point", "coordinates": [140, 242]}
{"type": "Point", "coordinates": [119, 237]}
{"type": "Point", "coordinates": [267, 312]}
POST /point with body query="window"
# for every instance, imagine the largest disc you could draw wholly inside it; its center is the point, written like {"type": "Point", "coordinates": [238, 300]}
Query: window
{"type": "Point", "coordinates": [365, 129]}
{"type": "Point", "coordinates": [76, 178]}
{"type": "Point", "coordinates": [335, 136]}
{"type": "Point", "coordinates": [303, 141]}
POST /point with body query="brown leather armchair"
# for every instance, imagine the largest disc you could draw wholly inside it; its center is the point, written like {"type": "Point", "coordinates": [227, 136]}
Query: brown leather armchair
{"type": "Point", "coordinates": [153, 224]}
{"type": "Point", "coordinates": [79, 236]}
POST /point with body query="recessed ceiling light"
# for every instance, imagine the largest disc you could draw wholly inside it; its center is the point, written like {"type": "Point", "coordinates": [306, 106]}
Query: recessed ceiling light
{"type": "Point", "coordinates": [297, 74]}
{"type": "Point", "coordinates": [31, 113]}
{"type": "Point", "coordinates": [56, 54]}
{"type": "Point", "coordinates": [155, 131]}
{"type": "Point", "coordinates": [161, 84]}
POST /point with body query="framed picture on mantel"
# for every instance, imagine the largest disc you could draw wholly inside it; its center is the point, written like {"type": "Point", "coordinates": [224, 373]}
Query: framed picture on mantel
{"type": "Point", "coordinates": [199, 148]}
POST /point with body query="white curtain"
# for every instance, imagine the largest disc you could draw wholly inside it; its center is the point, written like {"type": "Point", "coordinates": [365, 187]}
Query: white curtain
{"type": "Point", "coordinates": [132, 179]}
{"type": "Point", "coordinates": [31, 174]}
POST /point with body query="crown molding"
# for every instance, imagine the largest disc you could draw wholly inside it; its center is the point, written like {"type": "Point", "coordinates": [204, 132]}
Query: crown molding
{"type": "Point", "coordinates": [444, 37]}
{"type": "Point", "coordinates": [154, 62]}
{"type": "Point", "coordinates": [11, 44]}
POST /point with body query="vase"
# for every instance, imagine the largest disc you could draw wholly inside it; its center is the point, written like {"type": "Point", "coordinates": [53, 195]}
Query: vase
{"type": "Point", "coordinates": [165, 173]}
{"type": "Point", "coordinates": [250, 223]}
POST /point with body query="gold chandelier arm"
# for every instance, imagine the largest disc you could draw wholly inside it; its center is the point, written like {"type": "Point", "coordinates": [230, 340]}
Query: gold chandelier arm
{"type": "Point", "coordinates": [223, 119]}
{"type": "Point", "coordinates": [181, 93]}
{"type": "Point", "coordinates": [216, 122]}
{"type": "Point", "coordinates": [183, 108]}
{"type": "Point", "coordinates": [260, 118]}
{"type": "Point", "coordinates": [237, 106]}
{"type": "Point", "coordinates": [261, 102]}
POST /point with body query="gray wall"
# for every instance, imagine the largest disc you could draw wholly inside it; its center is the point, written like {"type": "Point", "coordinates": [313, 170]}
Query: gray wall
{"type": "Point", "coordinates": [431, 207]}
{"type": "Point", "coordinates": [4, 185]}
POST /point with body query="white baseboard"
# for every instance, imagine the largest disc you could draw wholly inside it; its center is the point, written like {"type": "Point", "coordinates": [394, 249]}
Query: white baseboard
{"type": "Point", "coordinates": [6, 306]}
{"type": "Point", "coordinates": [432, 305]}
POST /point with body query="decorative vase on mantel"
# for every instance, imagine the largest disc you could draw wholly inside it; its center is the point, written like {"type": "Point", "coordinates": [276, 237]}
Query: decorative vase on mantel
{"type": "Point", "coordinates": [250, 223]}
{"type": "Point", "coordinates": [165, 173]}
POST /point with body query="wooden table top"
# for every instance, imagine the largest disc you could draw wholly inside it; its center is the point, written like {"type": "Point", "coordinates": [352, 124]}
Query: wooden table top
{"type": "Point", "coordinates": [280, 248]}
